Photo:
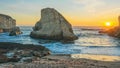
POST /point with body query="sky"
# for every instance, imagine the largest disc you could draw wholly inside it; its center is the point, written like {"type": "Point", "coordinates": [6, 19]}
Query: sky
{"type": "Point", "coordinates": [77, 12]}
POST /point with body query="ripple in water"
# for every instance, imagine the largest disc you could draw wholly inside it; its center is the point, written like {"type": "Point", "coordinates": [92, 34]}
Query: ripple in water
{"type": "Point", "coordinates": [89, 42]}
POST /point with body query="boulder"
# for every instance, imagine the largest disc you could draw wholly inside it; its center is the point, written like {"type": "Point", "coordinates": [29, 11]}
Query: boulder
{"type": "Point", "coordinates": [15, 31]}
{"type": "Point", "coordinates": [53, 26]}
{"type": "Point", "coordinates": [6, 23]}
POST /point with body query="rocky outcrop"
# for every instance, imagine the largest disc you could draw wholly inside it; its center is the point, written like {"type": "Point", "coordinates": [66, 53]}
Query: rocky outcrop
{"type": "Point", "coordinates": [13, 52]}
{"type": "Point", "coordinates": [6, 23]}
{"type": "Point", "coordinates": [53, 26]}
{"type": "Point", "coordinates": [15, 31]}
{"type": "Point", "coordinates": [115, 32]}
{"type": "Point", "coordinates": [119, 20]}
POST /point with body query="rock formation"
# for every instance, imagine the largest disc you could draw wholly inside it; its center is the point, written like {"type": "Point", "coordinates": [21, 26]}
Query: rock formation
{"type": "Point", "coordinates": [119, 20]}
{"type": "Point", "coordinates": [115, 32]}
{"type": "Point", "coordinates": [6, 23]}
{"type": "Point", "coordinates": [20, 51]}
{"type": "Point", "coordinates": [53, 25]}
{"type": "Point", "coordinates": [15, 31]}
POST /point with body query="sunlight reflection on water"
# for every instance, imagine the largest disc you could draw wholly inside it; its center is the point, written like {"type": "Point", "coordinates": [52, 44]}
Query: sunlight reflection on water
{"type": "Point", "coordinates": [93, 38]}
{"type": "Point", "coordinates": [96, 57]}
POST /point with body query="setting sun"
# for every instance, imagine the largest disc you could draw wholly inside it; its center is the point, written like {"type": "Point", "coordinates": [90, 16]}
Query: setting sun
{"type": "Point", "coordinates": [108, 24]}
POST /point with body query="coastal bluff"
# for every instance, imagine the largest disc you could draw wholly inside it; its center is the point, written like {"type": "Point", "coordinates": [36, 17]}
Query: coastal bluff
{"type": "Point", "coordinates": [53, 26]}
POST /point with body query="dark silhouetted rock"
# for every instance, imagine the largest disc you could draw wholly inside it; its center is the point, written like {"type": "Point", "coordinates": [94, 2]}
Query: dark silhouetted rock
{"type": "Point", "coordinates": [115, 32]}
{"type": "Point", "coordinates": [103, 31]}
{"type": "Point", "coordinates": [53, 26]}
{"type": "Point", "coordinates": [119, 20]}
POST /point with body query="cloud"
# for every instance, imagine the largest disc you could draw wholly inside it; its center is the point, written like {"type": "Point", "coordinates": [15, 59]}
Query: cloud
{"type": "Point", "coordinates": [111, 12]}
{"type": "Point", "coordinates": [22, 6]}
{"type": "Point", "coordinates": [91, 5]}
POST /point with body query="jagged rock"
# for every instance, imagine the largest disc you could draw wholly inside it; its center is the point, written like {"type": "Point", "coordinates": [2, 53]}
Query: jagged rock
{"type": "Point", "coordinates": [53, 26]}
{"type": "Point", "coordinates": [6, 23]}
{"type": "Point", "coordinates": [13, 52]}
{"type": "Point", "coordinates": [15, 31]}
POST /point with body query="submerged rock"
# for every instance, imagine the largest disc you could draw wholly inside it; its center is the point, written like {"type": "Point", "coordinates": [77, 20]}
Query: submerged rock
{"type": "Point", "coordinates": [102, 31]}
{"type": "Point", "coordinates": [53, 26]}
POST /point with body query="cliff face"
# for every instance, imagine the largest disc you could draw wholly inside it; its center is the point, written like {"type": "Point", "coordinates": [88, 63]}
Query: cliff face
{"type": "Point", "coordinates": [6, 22]}
{"type": "Point", "coordinates": [52, 25]}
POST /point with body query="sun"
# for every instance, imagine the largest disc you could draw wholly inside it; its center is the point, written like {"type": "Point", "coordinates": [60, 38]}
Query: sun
{"type": "Point", "coordinates": [108, 24]}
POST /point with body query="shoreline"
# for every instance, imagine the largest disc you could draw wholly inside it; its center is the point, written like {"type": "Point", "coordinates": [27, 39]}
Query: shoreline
{"type": "Point", "coordinates": [61, 61]}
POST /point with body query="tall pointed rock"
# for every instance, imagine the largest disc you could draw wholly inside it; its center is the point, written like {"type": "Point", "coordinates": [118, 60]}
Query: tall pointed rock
{"type": "Point", "coordinates": [53, 25]}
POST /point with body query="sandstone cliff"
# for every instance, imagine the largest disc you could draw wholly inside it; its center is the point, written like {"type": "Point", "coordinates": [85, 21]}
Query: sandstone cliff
{"type": "Point", "coordinates": [52, 25]}
{"type": "Point", "coordinates": [6, 23]}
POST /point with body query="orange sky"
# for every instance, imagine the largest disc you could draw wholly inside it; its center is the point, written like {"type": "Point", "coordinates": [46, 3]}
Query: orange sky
{"type": "Point", "coordinates": [75, 21]}
{"type": "Point", "coordinates": [77, 12]}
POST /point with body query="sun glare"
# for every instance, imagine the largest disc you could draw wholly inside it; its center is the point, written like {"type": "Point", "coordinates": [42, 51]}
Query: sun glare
{"type": "Point", "coordinates": [108, 24]}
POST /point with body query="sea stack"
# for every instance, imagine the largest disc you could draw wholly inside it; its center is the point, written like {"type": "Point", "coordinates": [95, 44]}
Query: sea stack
{"type": "Point", "coordinates": [53, 26]}
{"type": "Point", "coordinates": [8, 24]}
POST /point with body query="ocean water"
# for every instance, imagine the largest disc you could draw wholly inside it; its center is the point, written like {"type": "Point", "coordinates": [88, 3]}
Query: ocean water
{"type": "Point", "coordinates": [90, 42]}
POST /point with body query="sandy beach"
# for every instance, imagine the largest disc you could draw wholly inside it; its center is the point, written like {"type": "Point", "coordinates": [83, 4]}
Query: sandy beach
{"type": "Point", "coordinates": [63, 61]}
